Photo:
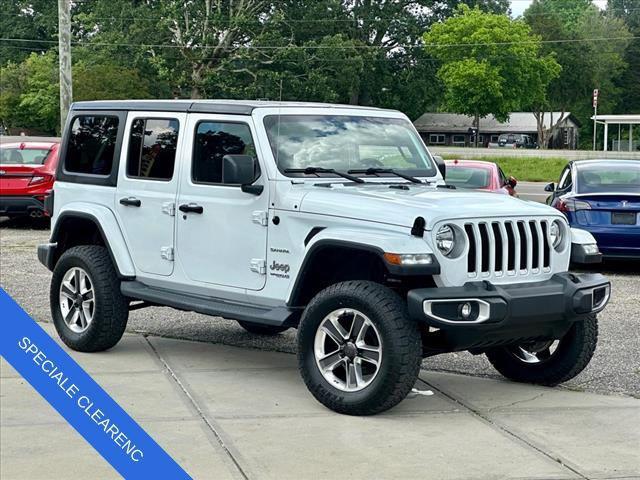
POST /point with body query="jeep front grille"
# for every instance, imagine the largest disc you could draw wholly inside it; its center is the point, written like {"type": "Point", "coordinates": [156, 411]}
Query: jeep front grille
{"type": "Point", "coordinates": [511, 247]}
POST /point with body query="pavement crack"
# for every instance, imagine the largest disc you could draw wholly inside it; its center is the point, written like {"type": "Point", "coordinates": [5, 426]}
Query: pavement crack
{"type": "Point", "coordinates": [517, 402]}
{"type": "Point", "coordinates": [197, 408]}
{"type": "Point", "coordinates": [485, 418]}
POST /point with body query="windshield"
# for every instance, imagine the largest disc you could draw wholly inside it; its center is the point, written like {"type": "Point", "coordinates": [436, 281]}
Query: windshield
{"type": "Point", "coordinates": [346, 143]}
{"type": "Point", "coordinates": [26, 156]}
{"type": "Point", "coordinates": [468, 177]}
{"type": "Point", "coordinates": [615, 177]}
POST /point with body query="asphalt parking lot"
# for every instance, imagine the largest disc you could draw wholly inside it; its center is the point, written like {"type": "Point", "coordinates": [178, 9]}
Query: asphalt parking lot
{"type": "Point", "coordinates": [615, 369]}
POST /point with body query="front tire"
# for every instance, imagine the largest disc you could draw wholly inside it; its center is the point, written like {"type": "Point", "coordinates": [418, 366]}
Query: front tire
{"type": "Point", "coordinates": [89, 312]}
{"type": "Point", "coordinates": [359, 353]}
{"type": "Point", "coordinates": [541, 364]}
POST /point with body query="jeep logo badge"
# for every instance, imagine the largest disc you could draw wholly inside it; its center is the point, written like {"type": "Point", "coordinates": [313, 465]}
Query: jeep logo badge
{"type": "Point", "coordinates": [279, 267]}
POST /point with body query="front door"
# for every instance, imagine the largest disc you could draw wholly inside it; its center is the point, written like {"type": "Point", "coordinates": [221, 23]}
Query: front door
{"type": "Point", "coordinates": [147, 188]}
{"type": "Point", "coordinates": [222, 231]}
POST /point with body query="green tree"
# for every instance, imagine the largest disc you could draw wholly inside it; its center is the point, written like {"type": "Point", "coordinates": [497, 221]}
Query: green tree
{"type": "Point", "coordinates": [33, 20]}
{"type": "Point", "coordinates": [628, 82]}
{"type": "Point", "coordinates": [490, 63]}
{"type": "Point", "coordinates": [29, 95]}
{"type": "Point", "coordinates": [569, 30]}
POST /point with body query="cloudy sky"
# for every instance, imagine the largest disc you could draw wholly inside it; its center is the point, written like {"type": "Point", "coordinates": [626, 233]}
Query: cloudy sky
{"type": "Point", "coordinates": [519, 6]}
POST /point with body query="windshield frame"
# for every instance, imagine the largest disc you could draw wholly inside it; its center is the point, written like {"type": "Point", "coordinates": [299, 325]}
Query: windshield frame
{"type": "Point", "coordinates": [381, 115]}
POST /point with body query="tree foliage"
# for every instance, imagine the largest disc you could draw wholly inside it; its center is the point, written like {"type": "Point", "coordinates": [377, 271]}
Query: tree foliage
{"type": "Point", "coordinates": [568, 28]}
{"type": "Point", "coordinates": [490, 63]}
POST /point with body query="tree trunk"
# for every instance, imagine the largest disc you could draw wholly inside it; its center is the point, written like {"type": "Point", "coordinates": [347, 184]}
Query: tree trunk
{"type": "Point", "coordinates": [196, 82]}
{"type": "Point", "coordinates": [476, 122]}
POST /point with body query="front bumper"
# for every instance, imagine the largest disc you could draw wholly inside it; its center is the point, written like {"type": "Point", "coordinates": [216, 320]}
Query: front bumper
{"type": "Point", "coordinates": [11, 206]}
{"type": "Point", "coordinates": [506, 314]}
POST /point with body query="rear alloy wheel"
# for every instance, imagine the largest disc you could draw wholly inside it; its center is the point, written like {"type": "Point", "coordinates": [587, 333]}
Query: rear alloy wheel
{"type": "Point", "coordinates": [89, 312]}
{"type": "Point", "coordinates": [359, 353]}
{"type": "Point", "coordinates": [549, 362]}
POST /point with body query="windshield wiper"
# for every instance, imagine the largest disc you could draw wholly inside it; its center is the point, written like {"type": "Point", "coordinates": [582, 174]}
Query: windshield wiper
{"type": "Point", "coordinates": [377, 170]}
{"type": "Point", "coordinates": [317, 170]}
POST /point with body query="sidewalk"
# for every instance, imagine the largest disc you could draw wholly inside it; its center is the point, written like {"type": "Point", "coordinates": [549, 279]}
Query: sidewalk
{"type": "Point", "coordinates": [225, 412]}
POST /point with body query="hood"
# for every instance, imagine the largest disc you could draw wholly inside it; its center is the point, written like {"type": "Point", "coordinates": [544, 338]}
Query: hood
{"type": "Point", "coordinates": [382, 204]}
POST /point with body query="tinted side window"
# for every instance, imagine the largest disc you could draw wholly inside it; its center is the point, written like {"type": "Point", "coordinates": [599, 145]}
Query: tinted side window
{"type": "Point", "coordinates": [213, 141]}
{"type": "Point", "coordinates": [91, 144]}
{"type": "Point", "coordinates": [152, 148]}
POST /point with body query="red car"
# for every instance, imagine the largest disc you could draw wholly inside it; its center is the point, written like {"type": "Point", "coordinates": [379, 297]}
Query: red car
{"type": "Point", "coordinates": [480, 175]}
{"type": "Point", "coordinates": [27, 173]}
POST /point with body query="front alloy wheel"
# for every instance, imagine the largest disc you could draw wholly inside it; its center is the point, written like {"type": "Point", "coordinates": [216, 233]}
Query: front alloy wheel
{"type": "Point", "coordinates": [348, 350]}
{"type": "Point", "coordinates": [359, 352]}
{"type": "Point", "coordinates": [549, 362]}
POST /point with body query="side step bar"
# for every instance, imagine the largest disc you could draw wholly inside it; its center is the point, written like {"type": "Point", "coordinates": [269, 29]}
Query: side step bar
{"type": "Point", "coordinates": [275, 316]}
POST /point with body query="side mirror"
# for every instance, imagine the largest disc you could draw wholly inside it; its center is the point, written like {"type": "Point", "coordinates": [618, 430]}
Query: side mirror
{"type": "Point", "coordinates": [550, 187]}
{"type": "Point", "coordinates": [512, 182]}
{"type": "Point", "coordinates": [241, 170]}
{"type": "Point", "coordinates": [442, 167]}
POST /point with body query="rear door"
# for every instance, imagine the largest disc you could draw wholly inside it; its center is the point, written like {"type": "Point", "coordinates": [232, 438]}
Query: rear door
{"type": "Point", "coordinates": [147, 188]}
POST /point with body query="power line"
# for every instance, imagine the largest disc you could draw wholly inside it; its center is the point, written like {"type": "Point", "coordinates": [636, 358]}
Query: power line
{"type": "Point", "coordinates": [330, 47]}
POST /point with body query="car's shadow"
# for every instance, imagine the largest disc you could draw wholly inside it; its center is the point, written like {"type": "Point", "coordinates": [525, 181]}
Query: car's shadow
{"type": "Point", "coordinates": [25, 223]}
{"type": "Point", "coordinates": [625, 266]}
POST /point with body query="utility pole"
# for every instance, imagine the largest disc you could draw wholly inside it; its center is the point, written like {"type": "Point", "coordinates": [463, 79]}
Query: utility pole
{"type": "Point", "coordinates": [64, 54]}
{"type": "Point", "coordinates": [595, 116]}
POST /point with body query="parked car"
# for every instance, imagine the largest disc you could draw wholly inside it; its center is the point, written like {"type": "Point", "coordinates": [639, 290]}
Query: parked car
{"type": "Point", "coordinates": [603, 198]}
{"type": "Point", "coordinates": [513, 140]}
{"type": "Point", "coordinates": [332, 219]}
{"type": "Point", "coordinates": [480, 175]}
{"type": "Point", "coordinates": [27, 173]}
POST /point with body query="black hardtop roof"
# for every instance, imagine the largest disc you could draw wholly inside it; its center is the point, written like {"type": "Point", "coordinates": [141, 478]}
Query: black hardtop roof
{"type": "Point", "coordinates": [232, 107]}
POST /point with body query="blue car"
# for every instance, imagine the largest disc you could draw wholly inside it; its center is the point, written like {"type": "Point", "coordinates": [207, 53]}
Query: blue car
{"type": "Point", "coordinates": [602, 197]}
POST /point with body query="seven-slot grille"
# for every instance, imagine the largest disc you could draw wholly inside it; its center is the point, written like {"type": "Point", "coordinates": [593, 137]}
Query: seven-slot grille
{"type": "Point", "coordinates": [514, 247]}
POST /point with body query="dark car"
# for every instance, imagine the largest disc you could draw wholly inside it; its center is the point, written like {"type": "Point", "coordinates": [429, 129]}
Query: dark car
{"type": "Point", "coordinates": [602, 197]}
{"type": "Point", "coordinates": [513, 140]}
{"type": "Point", "coordinates": [27, 173]}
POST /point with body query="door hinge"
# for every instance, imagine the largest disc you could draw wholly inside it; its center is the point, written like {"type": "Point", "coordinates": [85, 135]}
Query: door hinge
{"type": "Point", "coordinates": [169, 208]}
{"type": "Point", "coordinates": [167, 253]}
{"type": "Point", "coordinates": [261, 218]}
{"type": "Point", "coordinates": [259, 265]}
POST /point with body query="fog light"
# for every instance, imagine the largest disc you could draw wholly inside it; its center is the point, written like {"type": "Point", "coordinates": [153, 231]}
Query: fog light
{"type": "Point", "coordinates": [590, 249]}
{"type": "Point", "coordinates": [465, 310]}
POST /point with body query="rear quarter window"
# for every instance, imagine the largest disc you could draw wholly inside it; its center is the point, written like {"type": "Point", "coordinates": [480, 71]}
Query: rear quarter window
{"type": "Point", "coordinates": [91, 145]}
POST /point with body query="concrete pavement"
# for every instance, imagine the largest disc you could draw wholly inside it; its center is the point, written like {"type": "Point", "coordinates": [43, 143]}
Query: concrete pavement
{"type": "Point", "coordinates": [225, 412]}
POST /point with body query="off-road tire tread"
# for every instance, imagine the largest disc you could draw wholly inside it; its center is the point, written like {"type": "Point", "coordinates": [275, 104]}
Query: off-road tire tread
{"type": "Point", "coordinates": [112, 312]}
{"type": "Point", "coordinates": [583, 340]}
{"type": "Point", "coordinates": [393, 311]}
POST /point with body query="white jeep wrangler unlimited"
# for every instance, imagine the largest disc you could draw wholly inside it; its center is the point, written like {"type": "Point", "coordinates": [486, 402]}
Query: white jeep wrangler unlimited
{"type": "Point", "coordinates": [332, 219]}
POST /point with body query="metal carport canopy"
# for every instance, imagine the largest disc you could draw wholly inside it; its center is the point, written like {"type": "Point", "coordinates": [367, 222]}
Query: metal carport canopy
{"type": "Point", "coordinates": [623, 119]}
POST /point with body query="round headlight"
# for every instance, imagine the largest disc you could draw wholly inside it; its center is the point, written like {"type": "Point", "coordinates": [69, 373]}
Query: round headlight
{"type": "Point", "coordinates": [555, 233]}
{"type": "Point", "coordinates": [445, 239]}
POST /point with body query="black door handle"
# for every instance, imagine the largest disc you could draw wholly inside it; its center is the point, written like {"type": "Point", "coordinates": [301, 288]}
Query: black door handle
{"type": "Point", "coordinates": [130, 202]}
{"type": "Point", "coordinates": [191, 207]}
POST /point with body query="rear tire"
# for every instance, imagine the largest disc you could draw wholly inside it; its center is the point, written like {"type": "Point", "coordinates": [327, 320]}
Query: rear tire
{"type": "Point", "coordinates": [89, 312]}
{"type": "Point", "coordinates": [260, 329]}
{"type": "Point", "coordinates": [573, 353]}
{"type": "Point", "coordinates": [359, 353]}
